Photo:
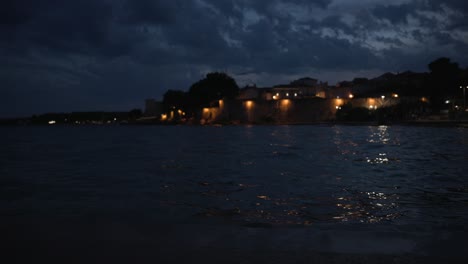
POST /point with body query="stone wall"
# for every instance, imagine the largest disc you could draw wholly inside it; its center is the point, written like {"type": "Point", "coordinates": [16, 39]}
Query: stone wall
{"type": "Point", "coordinates": [285, 111]}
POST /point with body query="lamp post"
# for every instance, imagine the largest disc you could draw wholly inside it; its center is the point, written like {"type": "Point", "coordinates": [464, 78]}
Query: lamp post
{"type": "Point", "coordinates": [464, 97]}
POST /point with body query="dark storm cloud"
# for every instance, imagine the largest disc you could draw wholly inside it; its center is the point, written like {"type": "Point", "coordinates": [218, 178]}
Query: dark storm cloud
{"type": "Point", "coordinates": [156, 12]}
{"type": "Point", "coordinates": [62, 27]}
{"type": "Point", "coordinates": [12, 14]}
{"type": "Point", "coordinates": [92, 54]}
{"type": "Point", "coordinates": [395, 14]}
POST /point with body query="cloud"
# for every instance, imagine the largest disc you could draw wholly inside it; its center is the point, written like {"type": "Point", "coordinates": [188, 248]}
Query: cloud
{"type": "Point", "coordinates": [98, 53]}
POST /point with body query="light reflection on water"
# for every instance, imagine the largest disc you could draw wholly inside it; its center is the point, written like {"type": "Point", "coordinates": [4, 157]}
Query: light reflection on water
{"type": "Point", "coordinates": [258, 176]}
{"type": "Point", "coordinates": [370, 207]}
{"type": "Point", "coordinates": [379, 134]}
{"type": "Point", "coordinates": [359, 176]}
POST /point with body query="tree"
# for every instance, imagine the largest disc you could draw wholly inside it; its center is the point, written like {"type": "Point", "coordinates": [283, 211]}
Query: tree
{"type": "Point", "coordinates": [464, 77]}
{"type": "Point", "coordinates": [213, 87]}
{"type": "Point", "coordinates": [175, 99]}
{"type": "Point", "coordinates": [443, 78]}
{"type": "Point", "coordinates": [135, 114]}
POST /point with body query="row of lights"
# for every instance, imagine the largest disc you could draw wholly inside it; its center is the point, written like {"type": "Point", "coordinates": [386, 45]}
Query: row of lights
{"type": "Point", "coordinates": [53, 122]}
{"type": "Point", "coordinates": [165, 117]}
{"type": "Point", "coordinates": [371, 106]}
{"type": "Point", "coordinates": [448, 102]}
{"type": "Point", "coordinates": [277, 96]}
{"type": "Point", "coordinates": [351, 96]}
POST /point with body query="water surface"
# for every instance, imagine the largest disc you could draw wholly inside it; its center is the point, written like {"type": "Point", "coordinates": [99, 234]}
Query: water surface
{"type": "Point", "coordinates": [331, 189]}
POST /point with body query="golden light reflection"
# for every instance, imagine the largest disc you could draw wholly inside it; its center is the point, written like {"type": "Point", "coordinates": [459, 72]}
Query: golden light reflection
{"type": "Point", "coordinates": [263, 197]}
{"type": "Point", "coordinates": [221, 103]}
{"type": "Point", "coordinates": [163, 117]}
{"type": "Point", "coordinates": [263, 211]}
{"type": "Point", "coordinates": [424, 100]}
{"type": "Point", "coordinates": [206, 110]}
{"type": "Point", "coordinates": [369, 207]}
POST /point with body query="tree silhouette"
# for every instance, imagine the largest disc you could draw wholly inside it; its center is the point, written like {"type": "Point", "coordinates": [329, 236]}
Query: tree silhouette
{"type": "Point", "coordinates": [464, 77]}
{"type": "Point", "coordinates": [175, 99]}
{"type": "Point", "coordinates": [443, 79]}
{"type": "Point", "coordinates": [135, 114]}
{"type": "Point", "coordinates": [213, 87]}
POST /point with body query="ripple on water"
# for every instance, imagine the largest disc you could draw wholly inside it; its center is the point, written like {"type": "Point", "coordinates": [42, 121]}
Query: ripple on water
{"type": "Point", "coordinates": [254, 176]}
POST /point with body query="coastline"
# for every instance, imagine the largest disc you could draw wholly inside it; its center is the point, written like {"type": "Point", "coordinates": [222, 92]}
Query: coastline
{"type": "Point", "coordinates": [422, 123]}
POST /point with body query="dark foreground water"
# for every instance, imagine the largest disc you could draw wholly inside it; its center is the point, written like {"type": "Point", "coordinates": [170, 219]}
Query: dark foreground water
{"type": "Point", "coordinates": [300, 194]}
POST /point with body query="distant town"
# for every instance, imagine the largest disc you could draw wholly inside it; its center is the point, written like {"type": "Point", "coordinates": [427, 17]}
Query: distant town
{"type": "Point", "coordinates": [435, 96]}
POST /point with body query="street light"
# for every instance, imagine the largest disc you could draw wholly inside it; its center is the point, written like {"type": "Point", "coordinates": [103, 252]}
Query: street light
{"type": "Point", "coordinates": [464, 97]}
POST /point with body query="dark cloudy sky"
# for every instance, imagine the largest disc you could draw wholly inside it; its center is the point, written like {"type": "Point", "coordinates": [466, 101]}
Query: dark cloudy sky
{"type": "Point", "coordinates": [67, 55]}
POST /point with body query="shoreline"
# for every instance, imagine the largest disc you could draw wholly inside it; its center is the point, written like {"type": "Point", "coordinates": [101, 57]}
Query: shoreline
{"type": "Point", "coordinates": [422, 122]}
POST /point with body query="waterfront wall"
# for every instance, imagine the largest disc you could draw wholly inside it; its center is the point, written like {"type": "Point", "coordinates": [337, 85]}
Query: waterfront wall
{"type": "Point", "coordinates": [285, 111]}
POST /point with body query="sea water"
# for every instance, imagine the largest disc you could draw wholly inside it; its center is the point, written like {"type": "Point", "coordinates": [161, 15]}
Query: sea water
{"type": "Point", "coordinates": [130, 191]}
